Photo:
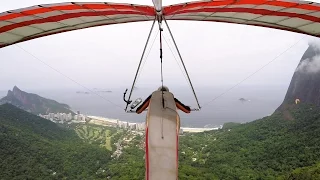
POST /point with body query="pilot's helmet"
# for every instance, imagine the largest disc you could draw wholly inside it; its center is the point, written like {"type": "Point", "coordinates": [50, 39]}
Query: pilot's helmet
{"type": "Point", "coordinates": [163, 88]}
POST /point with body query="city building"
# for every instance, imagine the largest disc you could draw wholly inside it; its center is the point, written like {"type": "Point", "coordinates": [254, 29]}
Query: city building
{"type": "Point", "coordinates": [63, 117]}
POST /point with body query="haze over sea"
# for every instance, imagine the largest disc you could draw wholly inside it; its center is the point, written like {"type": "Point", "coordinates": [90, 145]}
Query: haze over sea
{"type": "Point", "coordinates": [226, 108]}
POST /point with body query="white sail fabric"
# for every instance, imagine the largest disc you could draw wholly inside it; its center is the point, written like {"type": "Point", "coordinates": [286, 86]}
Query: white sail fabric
{"type": "Point", "coordinates": [162, 135]}
{"type": "Point", "coordinates": [157, 4]}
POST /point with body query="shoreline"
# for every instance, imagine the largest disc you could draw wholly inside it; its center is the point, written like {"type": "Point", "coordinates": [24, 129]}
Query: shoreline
{"type": "Point", "coordinates": [141, 126]}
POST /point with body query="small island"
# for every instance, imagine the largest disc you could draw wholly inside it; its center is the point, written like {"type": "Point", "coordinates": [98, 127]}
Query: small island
{"type": "Point", "coordinates": [95, 91]}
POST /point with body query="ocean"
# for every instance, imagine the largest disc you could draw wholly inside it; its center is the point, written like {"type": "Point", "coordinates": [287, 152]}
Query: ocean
{"type": "Point", "coordinates": [225, 108]}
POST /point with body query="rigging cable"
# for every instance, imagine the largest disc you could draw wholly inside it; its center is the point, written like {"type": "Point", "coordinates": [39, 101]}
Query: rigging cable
{"type": "Point", "coordinates": [144, 50]}
{"type": "Point", "coordinates": [185, 69]}
{"type": "Point", "coordinates": [160, 28]}
{"type": "Point", "coordinates": [161, 56]}
{"type": "Point", "coordinates": [255, 72]}
{"type": "Point", "coordinates": [59, 72]}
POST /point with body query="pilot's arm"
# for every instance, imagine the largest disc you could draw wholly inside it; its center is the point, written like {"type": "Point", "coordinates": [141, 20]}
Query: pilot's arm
{"type": "Point", "coordinates": [181, 106]}
{"type": "Point", "coordinates": [144, 105]}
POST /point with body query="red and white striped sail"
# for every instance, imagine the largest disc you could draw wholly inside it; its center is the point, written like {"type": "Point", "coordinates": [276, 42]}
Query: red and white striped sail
{"type": "Point", "coordinates": [43, 20]}
{"type": "Point", "coordinates": [296, 16]}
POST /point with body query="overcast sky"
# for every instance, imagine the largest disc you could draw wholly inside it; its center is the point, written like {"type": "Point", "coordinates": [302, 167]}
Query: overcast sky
{"type": "Point", "coordinates": [216, 54]}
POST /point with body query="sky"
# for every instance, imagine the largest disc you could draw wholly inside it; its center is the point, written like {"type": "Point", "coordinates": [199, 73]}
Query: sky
{"type": "Point", "coordinates": [215, 54]}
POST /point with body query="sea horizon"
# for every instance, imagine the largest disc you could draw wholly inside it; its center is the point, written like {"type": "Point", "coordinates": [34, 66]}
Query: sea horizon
{"type": "Point", "coordinates": [260, 102]}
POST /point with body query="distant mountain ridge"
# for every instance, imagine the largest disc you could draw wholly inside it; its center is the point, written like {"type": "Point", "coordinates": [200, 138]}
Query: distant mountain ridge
{"type": "Point", "coordinates": [305, 83]}
{"type": "Point", "coordinates": [34, 103]}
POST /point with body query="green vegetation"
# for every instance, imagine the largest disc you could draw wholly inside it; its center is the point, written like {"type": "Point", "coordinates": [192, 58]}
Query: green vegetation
{"type": "Point", "coordinates": [263, 149]}
{"type": "Point", "coordinates": [306, 173]}
{"type": "Point", "coordinates": [230, 125]}
{"type": "Point", "coordinates": [275, 147]}
{"type": "Point", "coordinates": [98, 135]}
{"type": "Point", "coordinates": [269, 148]}
{"type": "Point", "coordinates": [34, 148]}
{"type": "Point", "coordinates": [108, 142]}
{"type": "Point", "coordinates": [130, 165]}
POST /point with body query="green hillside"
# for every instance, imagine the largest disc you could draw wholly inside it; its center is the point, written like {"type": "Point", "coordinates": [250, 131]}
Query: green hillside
{"type": "Point", "coordinates": [98, 135]}
{"type": "Point", "coordinates": [283, 146]}
{"type": "Point", "coordinates": [35, 148]}
{"type": "Point", "coordinates": [274, 147]}
{"type": "Point", "coordinates": [263, 149]}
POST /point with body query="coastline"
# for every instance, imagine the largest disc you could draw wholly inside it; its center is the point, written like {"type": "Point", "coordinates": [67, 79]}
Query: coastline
{"type": "Point", "coordinates": [98, 120]}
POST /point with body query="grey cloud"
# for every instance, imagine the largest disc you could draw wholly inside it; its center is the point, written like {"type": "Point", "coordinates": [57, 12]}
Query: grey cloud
{"type": "Point", "coordinates": [311, 65]}
{"type": "Point", "coordinates": [315, 43]}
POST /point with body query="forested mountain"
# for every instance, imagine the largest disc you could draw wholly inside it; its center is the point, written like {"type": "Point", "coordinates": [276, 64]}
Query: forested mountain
{"type": "Point", "coordinates": [268, 148]}
{"type": "Point", "coordinates": [35, 148]}
{"type": "Point", "coordinates": [263, 149]}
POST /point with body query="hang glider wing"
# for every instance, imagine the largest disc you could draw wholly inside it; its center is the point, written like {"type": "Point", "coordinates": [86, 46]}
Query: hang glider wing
{"type": "Point", "coordinates": [43, 20]}
{"type": "Point", "coordinates": [296, 16]}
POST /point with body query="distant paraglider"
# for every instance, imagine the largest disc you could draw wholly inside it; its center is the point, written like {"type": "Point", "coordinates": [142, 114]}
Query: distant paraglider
{"type": "Point", "coordinates": [297, 101]}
